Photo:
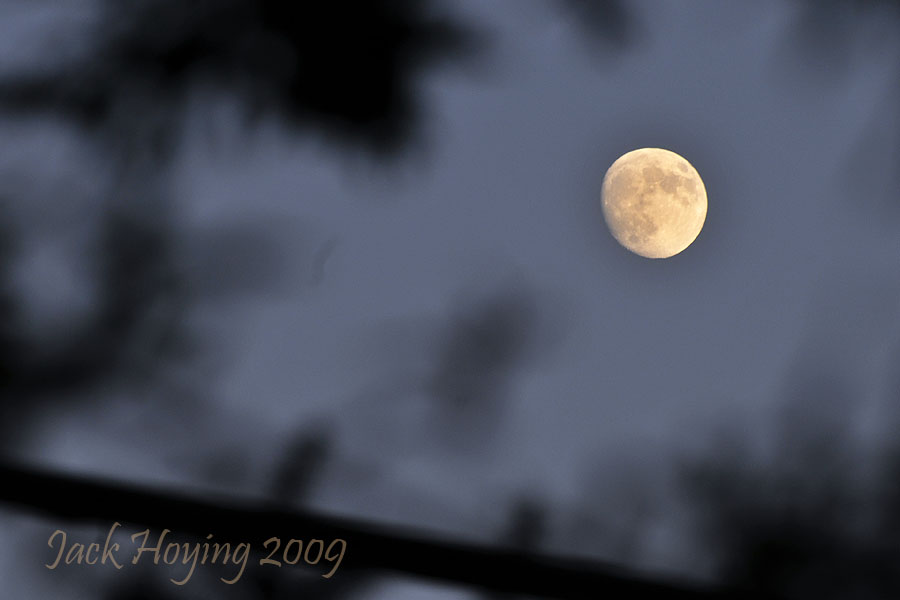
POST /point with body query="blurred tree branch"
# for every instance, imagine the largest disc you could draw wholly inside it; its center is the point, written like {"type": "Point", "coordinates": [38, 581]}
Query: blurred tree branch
{"type": "Point", "coordinates": [369, 547]}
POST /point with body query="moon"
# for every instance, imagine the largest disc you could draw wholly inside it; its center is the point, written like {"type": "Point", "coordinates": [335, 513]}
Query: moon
{"type": "Point", "coordinates": [654, 202]}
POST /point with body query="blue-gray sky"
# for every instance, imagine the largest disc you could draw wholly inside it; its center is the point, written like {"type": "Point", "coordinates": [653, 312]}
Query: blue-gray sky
{"type": "Point", "coordinates": [797, 262]}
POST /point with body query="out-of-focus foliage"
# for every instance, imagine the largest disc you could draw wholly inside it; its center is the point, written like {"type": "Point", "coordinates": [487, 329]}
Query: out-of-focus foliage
{"type": "Point", "coordinates": [602, 20]}
{"type": "Point", "coordinates": [347, 68]}
{"type": "Point", "coordinates": [815, 516]}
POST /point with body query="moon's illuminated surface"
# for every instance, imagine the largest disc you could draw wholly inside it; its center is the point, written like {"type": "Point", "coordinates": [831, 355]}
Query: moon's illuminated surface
{"type": "Point", "coordinates": [654, 202]}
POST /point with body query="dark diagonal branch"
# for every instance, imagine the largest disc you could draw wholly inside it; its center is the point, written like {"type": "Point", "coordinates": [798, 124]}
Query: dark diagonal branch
{"type": "Point", "coordinates": [369, 547]}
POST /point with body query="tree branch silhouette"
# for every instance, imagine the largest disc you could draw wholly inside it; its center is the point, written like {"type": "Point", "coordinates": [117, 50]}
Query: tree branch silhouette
{"type": "Point", "coordinates": [369, 546]}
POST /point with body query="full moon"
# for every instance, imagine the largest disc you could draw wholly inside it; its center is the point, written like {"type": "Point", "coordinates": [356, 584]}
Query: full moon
{"type": "Point", "coordinates": [654, 202]}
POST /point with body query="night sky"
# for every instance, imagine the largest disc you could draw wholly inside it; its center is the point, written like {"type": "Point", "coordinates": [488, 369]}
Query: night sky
{"type": "Point", "coordinates": [629, 362]}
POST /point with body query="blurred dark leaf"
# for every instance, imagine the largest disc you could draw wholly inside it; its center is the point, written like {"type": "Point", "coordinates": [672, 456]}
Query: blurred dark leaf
{"type": "Point", "coordinates": [301, 464]}
{"type": "Point", "coordinates": [825, 32]}
{"type": "Point", "coordinates": [130, 335]}
{"type": "Point", "coordinates": [807, 522]}
{"type": "Point", "coordinates": [346, 68]}
{"type": "Point", "coordinates": [601, 20]}
{"type": "Point", "coordinates": [480, 348]}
